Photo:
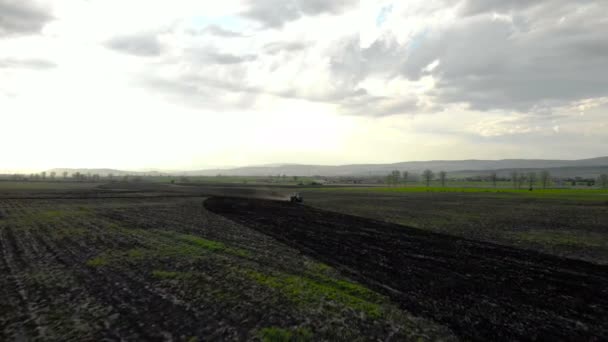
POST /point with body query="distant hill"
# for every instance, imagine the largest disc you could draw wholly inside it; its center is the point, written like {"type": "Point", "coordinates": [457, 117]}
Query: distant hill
{"type": "Point", "coordinates": [505, 165]}
{"type": "Point", "coordinates": [459, 168]}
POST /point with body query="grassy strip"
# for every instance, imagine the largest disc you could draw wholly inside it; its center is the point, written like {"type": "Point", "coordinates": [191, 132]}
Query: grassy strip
{"type": "Point", "coordinates": [164, 244]}
{"type": "Point", "coordinates": [304, 291]}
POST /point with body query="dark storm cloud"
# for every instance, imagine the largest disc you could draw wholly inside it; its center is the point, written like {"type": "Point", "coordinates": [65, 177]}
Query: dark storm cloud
{"type": "Point", "coordinates": [474, 7]}
{"type": "Point", "coordinates": [18, 17]}
{"type": "Point", "coordinates": [36, 64]}
{"type": "Point", "coordinates": [536, 58]}
{"type": "Point", "coordinates": [539, 57]}
{"type": "Point", "coordinates": [142, 44]}
{"type": "Point", "coordinates": [522, 56]}
{"type": "Point", "coordinates": [275, 13]}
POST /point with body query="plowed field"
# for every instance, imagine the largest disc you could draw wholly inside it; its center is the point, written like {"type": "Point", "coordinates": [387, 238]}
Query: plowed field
{"type": "Point", "coordinates": [482, 291]}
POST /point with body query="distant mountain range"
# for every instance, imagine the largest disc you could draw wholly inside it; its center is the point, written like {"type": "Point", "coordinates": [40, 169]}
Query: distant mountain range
{"type": "Point", "coordinates": [563, 168]}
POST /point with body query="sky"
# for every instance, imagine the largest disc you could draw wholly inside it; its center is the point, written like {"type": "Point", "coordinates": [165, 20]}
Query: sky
{"type": "Point", "coordinates": [177, 85]}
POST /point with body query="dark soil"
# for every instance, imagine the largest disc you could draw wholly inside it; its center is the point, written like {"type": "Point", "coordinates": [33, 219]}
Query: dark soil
{"type": "Point", "coordinates": [482, 291]}
{"type": "Point", "coordinates": [167, 269]}
{"type": "Point", "coordinates": [567, 227]}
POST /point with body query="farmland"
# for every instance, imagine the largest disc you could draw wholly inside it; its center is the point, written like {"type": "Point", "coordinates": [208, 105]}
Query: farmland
{"type": "Point", "coordinates": [171, 262]}
{"type": "Point", "coordinates": [567, 223]}
{"type": "Point", "coordinates": [166, 268]}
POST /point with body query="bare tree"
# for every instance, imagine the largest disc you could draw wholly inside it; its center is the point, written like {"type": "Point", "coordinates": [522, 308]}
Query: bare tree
{"type": "Point", "coordinates": [515, 179]}
{"type": "Point", "coordinates": [404, 175]}
{"type": "Point", "coordinates": [76, 176]}
{"type": "Point", "coordinates": [396, 177]}
{"type": "Point", "coordinates": [442, 177]}
{"type": "Point", "coordinates": [493, 178]}
{"type": "Point", "coordinates": [53, 174]}
{"type": "Point", "coordinates": [389, 179]}
{"type": "Point", "coordinates": [43, 175]}
{"type": "Point", "coordinates": [603, 181]}
{"type": "Point", "coordinates": [545, 177]}
{"type": "Point", "coordinates": [531, 179]}
{"type": "Point", "coordinates": [521, 180]}
{"type": "Point", "coordinates": [65, 175]}
{"type": "Point", "coordinates": [393, 178]}
{"type": "Point", "coordinates": [428, 176]}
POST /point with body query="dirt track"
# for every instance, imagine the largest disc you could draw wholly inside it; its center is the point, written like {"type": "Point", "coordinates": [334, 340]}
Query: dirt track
{"type": "Point", "coordinates": [480, 290]}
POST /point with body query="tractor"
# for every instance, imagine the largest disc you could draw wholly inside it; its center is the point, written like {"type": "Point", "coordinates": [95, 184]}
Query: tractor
{"type": "Point", "coordinates": [296, 198]}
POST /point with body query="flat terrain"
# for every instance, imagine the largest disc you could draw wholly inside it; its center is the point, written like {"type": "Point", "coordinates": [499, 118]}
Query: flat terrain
{"type": "Point", "coordinates": [140, 261]}
{"type": "Point", "coordinates": [166, 268]}
{"type": "Point", "coordinates": [567, 223]}
{"type": "Point", "coordinates": [482, 291]}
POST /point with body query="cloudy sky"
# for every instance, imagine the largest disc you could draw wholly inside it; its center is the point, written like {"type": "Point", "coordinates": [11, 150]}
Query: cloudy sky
{"type": "Point", "coordinates": [140, 84]}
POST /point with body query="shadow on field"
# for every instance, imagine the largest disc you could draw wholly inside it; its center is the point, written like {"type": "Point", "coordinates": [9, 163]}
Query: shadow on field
{"type": "Point", "coordinates": [480, 290]}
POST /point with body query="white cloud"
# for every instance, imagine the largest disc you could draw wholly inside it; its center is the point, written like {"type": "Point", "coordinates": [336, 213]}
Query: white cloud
{"type": "Point", "coordinates": [191, 83]}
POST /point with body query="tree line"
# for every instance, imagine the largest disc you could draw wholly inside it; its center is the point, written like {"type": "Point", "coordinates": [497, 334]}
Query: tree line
{"type": "Point", "coordinates": [76, 176]}
{"type": "Point", "coordinates": [397, 177]}
{"type": "Point", "coordinates": [518, 179]}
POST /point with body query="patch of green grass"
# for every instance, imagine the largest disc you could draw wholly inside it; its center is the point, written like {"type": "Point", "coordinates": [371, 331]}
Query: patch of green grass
{"type": "Point", "coordinates": [98, 261]}
{"type": "Point", "coordinates": [238, 252]}
{"type": "Point", "coordinates": [306, 291]}
{"type": "Point", "coordinates": [159, 243]}
{"type": "Point", "coordinates": [275, 334]}
{"type": "Point", "coordinates": [50, 215]}
{"type": "Point", "coordinates": [211, 245]}
{"type": "Point", "coordinates": [204, 243]}
{"type": "Point", "coordinates": [319, 268]}
{"type": "Point", "coordinates": [136, 253]}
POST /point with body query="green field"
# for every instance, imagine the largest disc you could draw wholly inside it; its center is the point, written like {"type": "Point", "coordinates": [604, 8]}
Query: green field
{"type": "Point", "coordinates": [567, 193]}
